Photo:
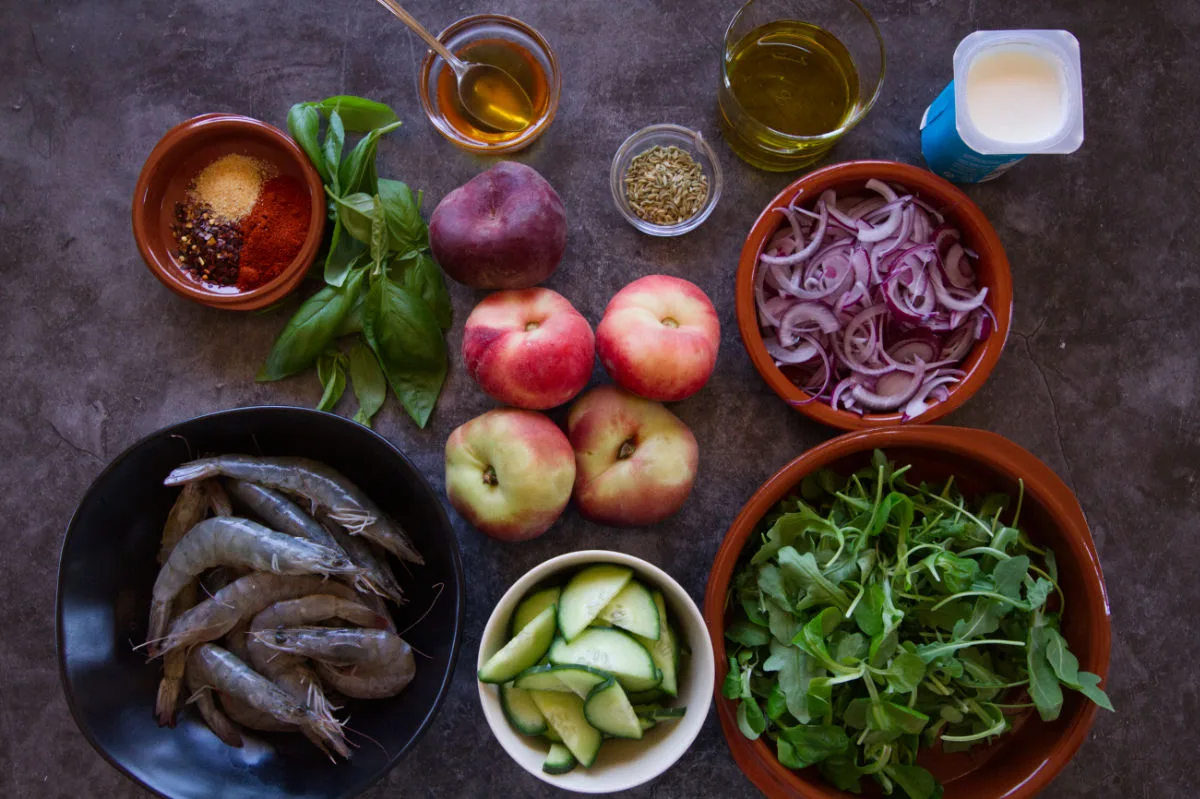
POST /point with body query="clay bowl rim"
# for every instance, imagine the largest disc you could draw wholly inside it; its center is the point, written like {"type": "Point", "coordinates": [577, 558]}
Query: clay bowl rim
{"type": "Point", "coordinates": [177, 143]}
{"type": "Point", "coordinates": [976, 230]}
{"type": "Point", "coordinates": [755, 758]}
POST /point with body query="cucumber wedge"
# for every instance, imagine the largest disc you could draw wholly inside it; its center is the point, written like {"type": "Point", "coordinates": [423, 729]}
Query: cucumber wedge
{"type": "Point", "coordinates": [645, 697]}
{"type": "Point", "coordinates": [613, 651]}
{"type": "Point", "coordinates": [521, 652]}
{"type": "Point", "coordinates": [586, 595]}
{"type": "Point", "coordinates": [522, 713]}
{"type": "Point", "coordinates": [633, 610]}
{"type": "Point", "coordinates": [531, 606]}
{"type": "Point", "coordinates": [559, 760]}
{"type": "Point", "coordinates": [659, 713]}
{"type": "Point", "coordinates": [608, 710]}
{"type": "Point", "coordinates": [551, 736]}
{"type": "Point", "coordinates": [564, 714]}
{"type": "Point", "coordinates": [579, 680]}
{"type": "Point", "coordinates": [647, 724]}
{"type": "Point", "coordinates": [665, 650]}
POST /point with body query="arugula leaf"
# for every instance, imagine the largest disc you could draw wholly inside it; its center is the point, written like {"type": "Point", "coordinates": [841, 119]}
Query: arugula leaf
{"type": "Point", "coordinates": [359, 114]}
{"type": "Point", "coordinates": [842, 772]}
{"type": "Point", "coordinates": [796, 670]}
{"type": "Point", "coordinates": [806, 745]}
{"type": "Point", "coordinates": [310, 330]}
{"type": "Point", "coordinates": [750, 719]}
{"type": "Point", "coordinates": [984, 619]}
{"type": "Point", "coordinates": [776, 703]}
{"type": "Point", "coordinates": [1089, 686]}
{"type": "Point", "coordinates": [1009, 574]}
{"type": "Point", "coordinates": [405, 336]}
{"type": "Point", "coordinates": [914, 780]}
{"type": "Point", "coordinates": [1044, 688]}
{"type": "Point", "coordinates": [906, 672]}
{"type": "Point", "coordinates": [803, 572]}
{"type": "Point", "coordinates": [732, 687]}
{"type": "Point", "coordinates": [770, 582]}
{"type": "Point", "coordinates": [370, 386]}
{"type": "Point", "coordinates": [780, 621]}
{"type": "Point", "coordinates": [1065, 665]}
{"type": "Point", "coordinates": [746, 634]}
{"type": "Point", "coordinates": [332, 374]}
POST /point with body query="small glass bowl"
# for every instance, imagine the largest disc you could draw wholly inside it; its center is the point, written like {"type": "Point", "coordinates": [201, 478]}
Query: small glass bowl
{"type": "Point", "coordinates": [490, 27]}
{"type": "Point", "coordinates": [665, 136]}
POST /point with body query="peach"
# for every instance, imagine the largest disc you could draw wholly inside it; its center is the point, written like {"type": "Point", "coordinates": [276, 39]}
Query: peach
{"type": "Point", "coordinates": [659, 338]}
{"type": "Point", "coordinates": [509, 473]}
{"type": "Point", "coordinates": [529, 348]}
{"type": "Point", "coordinates": [635, 461]}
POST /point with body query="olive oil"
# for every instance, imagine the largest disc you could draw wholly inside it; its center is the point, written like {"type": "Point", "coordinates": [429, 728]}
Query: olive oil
{"type": "Point", "coordinates": [782, 80]}
{"type": "Point", "coordinates": [513, 59]}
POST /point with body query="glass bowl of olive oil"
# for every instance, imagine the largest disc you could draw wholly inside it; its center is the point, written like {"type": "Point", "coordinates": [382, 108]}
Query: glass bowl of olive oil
{"type": "Point", "coordinates": [503, 42]}
{"type": "Point", "coordinates": [796, 76]}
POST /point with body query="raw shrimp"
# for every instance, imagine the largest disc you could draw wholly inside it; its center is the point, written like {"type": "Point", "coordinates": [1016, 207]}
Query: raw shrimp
{"type": "Point", "coordinates": [381, 662]}
{"type": "Point", "coordinates": [218, 500]}
{"type": "Point", "coordinates": [231, 541]}
{"type": "Point", "coordinates": [224, 672]}
{"type": "Point", "coordinates": [348, 505]}
{"type": "Point", "coordinates": [282, 514]}
{"type": "Point", "coordinates": [243, 714]}
{"type": "Point", "coordinates": [217, 721]}
{"type": "Point", "coordinates": [186, 513]}
{"type": "Point", "coordinates": [292, 673]}
{"type": "Point", "coordinates": [243, 599]}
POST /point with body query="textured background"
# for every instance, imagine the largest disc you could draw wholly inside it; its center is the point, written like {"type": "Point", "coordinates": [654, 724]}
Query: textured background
{"type": "Point", "coordinates": [1099, 377]}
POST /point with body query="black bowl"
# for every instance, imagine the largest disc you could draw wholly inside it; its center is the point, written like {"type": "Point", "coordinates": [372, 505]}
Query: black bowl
{"type": "Point", "coordinates": [107, 569]}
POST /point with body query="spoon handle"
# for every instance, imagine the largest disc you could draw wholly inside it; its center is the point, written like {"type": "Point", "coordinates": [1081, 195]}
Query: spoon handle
{"type": "Point", "coordinates": [419, 29]}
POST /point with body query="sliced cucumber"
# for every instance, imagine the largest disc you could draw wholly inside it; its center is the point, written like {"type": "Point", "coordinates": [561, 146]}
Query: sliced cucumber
{"type": "Point", "coordinates": [559, 760]}
{"type": "Point", "coordinates": [522, 651]}
{"type": "Point", "coordinates": [645, 697]}
{"type": "Point", "coordinates": [613, 651]}
{"type": "Point", "coordinates": [634, 610]}
{"type": "Point", "coordinates": [647, 724]}
{"type": "Point", "coordinates": [659, 712]}
{"type": "Point", "coordinates": [531, 606]}
{"type": "Point", "coordinates": [586, 595]}
{"type": "Point", "coordinates": [608, 710]}
{"type": "Point", "coordinates": [564, 714]}
{"type": "Point", "coordinates": [551, 736]}
{"type": "Point", "coordinates": [521, 711]}
{"type": "Point", "coordinates": [579, 680]}
{"type": "Point", "coordinates": [665, 650]}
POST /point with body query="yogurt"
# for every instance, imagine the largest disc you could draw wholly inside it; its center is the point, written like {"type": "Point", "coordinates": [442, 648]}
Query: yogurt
{"type": "Point", "coordinates": [1014, 93]}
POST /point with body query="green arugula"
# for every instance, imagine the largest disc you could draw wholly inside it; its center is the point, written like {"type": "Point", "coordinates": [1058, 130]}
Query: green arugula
{"type": "Point", "coordinates": [876, 617]}
{"type": "Point", "coordinates": [383, 288]}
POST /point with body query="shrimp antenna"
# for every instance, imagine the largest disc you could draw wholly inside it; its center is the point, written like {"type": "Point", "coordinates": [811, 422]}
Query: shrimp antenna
{"type": "Point", "coordinates": [186, 443]}
{"type": "Point", "coordinates": [438, 588]}
{"type": "Point", "coordinates": [346, 726]}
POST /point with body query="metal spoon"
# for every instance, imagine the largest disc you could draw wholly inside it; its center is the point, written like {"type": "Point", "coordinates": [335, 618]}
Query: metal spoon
{"type": "Point", "coordinates": [487, 92]}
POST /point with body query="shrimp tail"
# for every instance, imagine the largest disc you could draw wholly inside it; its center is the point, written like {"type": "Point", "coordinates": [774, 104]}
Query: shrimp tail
{"type": "Point", "coordinates": [324, 728]}
{"type": "Point", "coordinates": [169, 687]}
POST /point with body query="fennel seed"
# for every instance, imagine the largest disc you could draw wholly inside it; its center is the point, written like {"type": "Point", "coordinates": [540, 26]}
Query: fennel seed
{"type": "Point", "coordinates": [665, 185]}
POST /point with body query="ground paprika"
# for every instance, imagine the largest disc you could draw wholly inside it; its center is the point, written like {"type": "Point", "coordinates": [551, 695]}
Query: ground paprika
{"type": "Point", "coordinates": [274, 232]}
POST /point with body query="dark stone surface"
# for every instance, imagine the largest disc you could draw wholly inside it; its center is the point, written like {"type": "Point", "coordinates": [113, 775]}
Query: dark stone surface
{"type": "Point", "coordinates": [1099, 377]}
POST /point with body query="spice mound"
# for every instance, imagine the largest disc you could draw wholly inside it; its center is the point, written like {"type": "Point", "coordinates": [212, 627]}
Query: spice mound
{"type": "Point", "coordinates": [665, 185]}
{"type": "Point", "coordinates": [241, 225]}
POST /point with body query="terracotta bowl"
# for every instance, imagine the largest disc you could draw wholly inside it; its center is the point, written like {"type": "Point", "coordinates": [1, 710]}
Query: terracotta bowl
{"type": "Point", "coordinates": [977, 233]}
{"type": "Point", "coordinates": [1022, 762]}
{"type": "Point", "coordinates": [174, 162]}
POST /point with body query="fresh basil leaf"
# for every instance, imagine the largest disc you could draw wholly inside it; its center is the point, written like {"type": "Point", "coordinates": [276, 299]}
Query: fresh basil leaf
{"type": "Point", "coordinates": [1089, 686]}
{"type": "Point", "coordinates": [359, 114]}
{"type": "Point", "coordinates": [335, 137]}
{"type": "Point", "coordinates": [304, 124]}
{"type": "Point", "coordinates": [310, 330]}
{"type": "Point", "coordinates": [332, 374]}
{"type": "Point", "coordinates": [750, 719]}
{"type": "Point", "coordinates": [370, 386]}
{"type": "Point", "coordinates": [379, 247]}
{"type": "Point", "coordinates": [746, 634]}
{"type": "Point", "coordinates": [357, 172]}
{"type": "Point", "coordinates": [1044, 688]}
{"type": "Point", "coordinates": [406, 230]}
{"type": "Point", "coordinates": [345, 253]}
{"type": "Point", "coordinates": [352, 322]}
{"type": "Point", "coordinates": [405, 336]}
{"type": "Point", "coordinates": [914, 781]}
{"type": "Point", "coordinates": [356, 212]}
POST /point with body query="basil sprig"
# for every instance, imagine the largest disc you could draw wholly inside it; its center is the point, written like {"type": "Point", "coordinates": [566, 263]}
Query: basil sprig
{"type": "Point", "coordinates": [383, 288]}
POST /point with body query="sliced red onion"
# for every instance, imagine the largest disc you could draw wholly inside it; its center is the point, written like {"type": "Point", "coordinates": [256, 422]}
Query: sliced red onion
{"type": "Point", "coordinates": [868, 302]}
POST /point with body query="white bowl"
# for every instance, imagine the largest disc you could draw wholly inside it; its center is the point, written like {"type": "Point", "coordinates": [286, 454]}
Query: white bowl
{"type": "Point", "coordinates": [622, 764]}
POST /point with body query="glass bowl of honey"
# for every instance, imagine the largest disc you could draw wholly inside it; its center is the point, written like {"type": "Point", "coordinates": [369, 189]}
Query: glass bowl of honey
{"type": "Point", "coordinates": [503, 42]}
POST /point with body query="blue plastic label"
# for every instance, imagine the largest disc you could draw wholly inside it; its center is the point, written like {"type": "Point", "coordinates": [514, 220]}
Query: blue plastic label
{"type": "Point", "coordinates": [948, 155]}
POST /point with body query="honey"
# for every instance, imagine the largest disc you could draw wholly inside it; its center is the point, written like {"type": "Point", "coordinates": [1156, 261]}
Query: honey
{"type": "Point", "coordinates": [514, 59]}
